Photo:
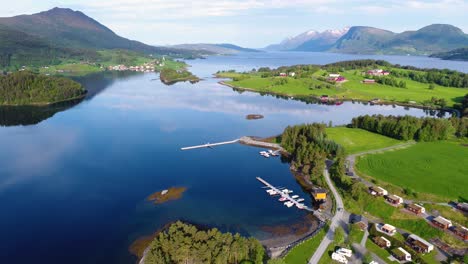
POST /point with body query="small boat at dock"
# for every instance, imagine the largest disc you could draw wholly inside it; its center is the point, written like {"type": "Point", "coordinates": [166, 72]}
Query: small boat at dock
{"type": "Point", "coordinates": [300, 200]}
{"type": "Point", "coordinates": [300, 206]}
{"type": "Point", "coordinates": [282, 199]}
{"type": "Point", "coordinates": [287, 191]}
{"type": "Point", "coordinates": [271, 192]}
{"type": "Point", "coordinates": [295, 196]}
{"type": "Point", "coordinates": [289, 204]}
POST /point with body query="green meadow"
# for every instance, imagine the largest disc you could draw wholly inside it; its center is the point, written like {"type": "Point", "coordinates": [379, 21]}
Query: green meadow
{"type": "Point", "coordinates": [302, 252]}
{"type": "Point", "coordinates": [438, 168]}
{"type": "Point", "coordinates": [352, 89]}
{"type": "Point", "coordinates": [355, 140]}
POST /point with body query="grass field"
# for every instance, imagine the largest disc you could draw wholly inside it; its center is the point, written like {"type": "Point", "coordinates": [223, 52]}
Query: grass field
{"type": "Point", "coordinates": [326, 257]}
{"type": "Point", "coordinates": [351, 89]}
{"type": "Point", "coordinates": [356, 140]}
{"type": "Point", "coordinates": [382, 253]}
{"type": "Point", "coordinates": [302, 252]}
{"type": "Point", "coordinates": [355, 234]}
{"type": "Point", "coordinates": [437, 168]}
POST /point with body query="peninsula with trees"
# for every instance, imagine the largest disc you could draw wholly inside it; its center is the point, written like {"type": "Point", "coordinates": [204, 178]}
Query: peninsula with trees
{"type": "Point", "coordinates": [26, 88]}
{"type": "Point", "coordinates": [375, 81]}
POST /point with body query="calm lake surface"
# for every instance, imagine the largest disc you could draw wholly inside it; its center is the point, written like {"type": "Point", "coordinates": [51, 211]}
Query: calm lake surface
{"type": "Point", "coordinates": [73, 186]}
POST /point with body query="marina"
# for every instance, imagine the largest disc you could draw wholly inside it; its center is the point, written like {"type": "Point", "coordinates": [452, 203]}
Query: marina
{"type": "Point", "coordinates": [288, 200]}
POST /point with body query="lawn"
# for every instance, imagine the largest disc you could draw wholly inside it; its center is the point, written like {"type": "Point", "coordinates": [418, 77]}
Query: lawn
{"type": "Point", "coordinates": [356, 140]}
{"type": "Point", "coordinates": [437, 168]}
{"type": "Point", "coordinates": [302, 252]}
{"type": "Point", "coordinates": [326, 257]}
{"type": "Point", "coordinates": [380, 252]}
{"type": "Point", "coordinates": [355, 234]}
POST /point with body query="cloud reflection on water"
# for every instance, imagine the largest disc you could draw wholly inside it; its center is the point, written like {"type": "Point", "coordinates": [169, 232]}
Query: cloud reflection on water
{"type": "Point", "coordinates": [35, 151]}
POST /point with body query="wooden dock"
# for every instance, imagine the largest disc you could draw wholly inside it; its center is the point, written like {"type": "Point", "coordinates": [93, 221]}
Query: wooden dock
{"type": "Point", "coordinates": [210, 145]}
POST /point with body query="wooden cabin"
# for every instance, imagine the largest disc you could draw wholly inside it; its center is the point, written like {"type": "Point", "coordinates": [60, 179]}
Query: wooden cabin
{"type": "Point", "coordinates": [394, 199]}
{"type": "Point", "coordinates": [418, 244]}
{"type": "Point", "coordinates": [415, 208]}
{"type": "Point", "coordinates": [461, 232]}
{"type": "Point", "coordinates": [382, 242]}
{"type": "Point", "coordinates": [388, 229]}
{"type": "Point", "coordinates": [379, 191]}
{"type": "Point", "coordinates": [441, 222]}
{"type": "Point", "coordinates": [401, 254]}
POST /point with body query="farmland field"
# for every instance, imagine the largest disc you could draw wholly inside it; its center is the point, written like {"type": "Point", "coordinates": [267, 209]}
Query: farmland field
{"type": "Point", "coordinates": [437, 168]}
{"type": "Point", "coordinates": [355, 140]}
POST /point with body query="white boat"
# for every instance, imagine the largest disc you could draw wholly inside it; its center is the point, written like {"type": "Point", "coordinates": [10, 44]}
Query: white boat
{"type": "Point", "coordinates": [295, 196]}
{"type": "Point", "coordinates": [282, 199]}
{"type": "Point", "coordinates": [271, 192]}
{"type": "Point", "coordinates": [289, 204]}
{"type": "Point", "coordinates": [300, 200]}
{"type": "Point", "coordinates": [300, 206]}
{"type": "Point", "coordinates": [266, 155]}
{"type": "Point", "coordinates": [270, 151]}
{"type": "Point", "coordinates": [263, 152]}
{"type": "Point", "coordinates": [287, 191]}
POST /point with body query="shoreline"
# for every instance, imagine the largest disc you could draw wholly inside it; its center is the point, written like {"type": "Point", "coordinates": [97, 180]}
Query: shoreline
{"type": "Point", "coordinates": [316, 97]}
{"type": "Point", "coordinates": [47, 103]}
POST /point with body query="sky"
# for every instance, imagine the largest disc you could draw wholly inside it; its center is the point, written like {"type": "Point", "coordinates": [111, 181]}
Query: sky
{"type": "Point", "coordinates": [249, 23]}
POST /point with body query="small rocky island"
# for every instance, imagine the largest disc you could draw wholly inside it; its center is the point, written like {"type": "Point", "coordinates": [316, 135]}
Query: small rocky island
{"type": "Point", "coordinates": [173, 193]}
{"type": "Point", "coordinates": [254, 117]}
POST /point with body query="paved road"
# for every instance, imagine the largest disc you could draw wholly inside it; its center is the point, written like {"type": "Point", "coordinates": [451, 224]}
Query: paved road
{"type": "Point", "coordinates": [336, 220]}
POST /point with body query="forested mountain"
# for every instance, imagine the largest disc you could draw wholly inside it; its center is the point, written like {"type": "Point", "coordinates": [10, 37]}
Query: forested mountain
{"type": "Point", "coordinates": [427, 40]}
{"type": "Point", "coordinates": [362, 40]}
{"type": "Point", "coordinates": [19, 48]}
{"type": "Point", "coordinates": [456, 54]}
{"type": "Point", "coordinates": [25, 88]}
{"type": "Point", "coordinates": [59, 34]}
{"type": "Point", "coordinates": [67, 28]}
{"type": "Point", "coordinates": [370, 40]}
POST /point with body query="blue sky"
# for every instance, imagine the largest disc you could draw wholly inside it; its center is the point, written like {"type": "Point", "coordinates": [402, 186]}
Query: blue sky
{"type": "Point", "coordinates": [250, 23]}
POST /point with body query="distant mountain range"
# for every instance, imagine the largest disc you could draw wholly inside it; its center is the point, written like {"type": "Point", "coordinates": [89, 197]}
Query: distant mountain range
{"type": "Point", "coordinates": [369, 40]}
{"type": "Point", "coordinates": [225, 48]}
{"type": "Point", "coordinates": [310, 40]}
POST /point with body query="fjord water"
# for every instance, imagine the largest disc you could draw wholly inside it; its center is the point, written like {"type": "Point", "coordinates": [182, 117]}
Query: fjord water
{"type": "Point", "coordinates": [73, 187]}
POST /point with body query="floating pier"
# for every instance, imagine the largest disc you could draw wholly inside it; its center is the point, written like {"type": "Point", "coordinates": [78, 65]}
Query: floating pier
{"type": "Point", "coordinates": [285, 195]}
{"type": "Point", "coordinates": [210, 145]}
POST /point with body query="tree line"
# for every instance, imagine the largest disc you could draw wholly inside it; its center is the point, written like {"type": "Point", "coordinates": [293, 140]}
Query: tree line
{"type": "Point", "coordinates": [411, 128]}
{"type": "Point", "coordinates": [23, 88]}
{"type": "Point", "coordinates": [185, 243]}
{"type": "Point", "coordinates": [309, 147]}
